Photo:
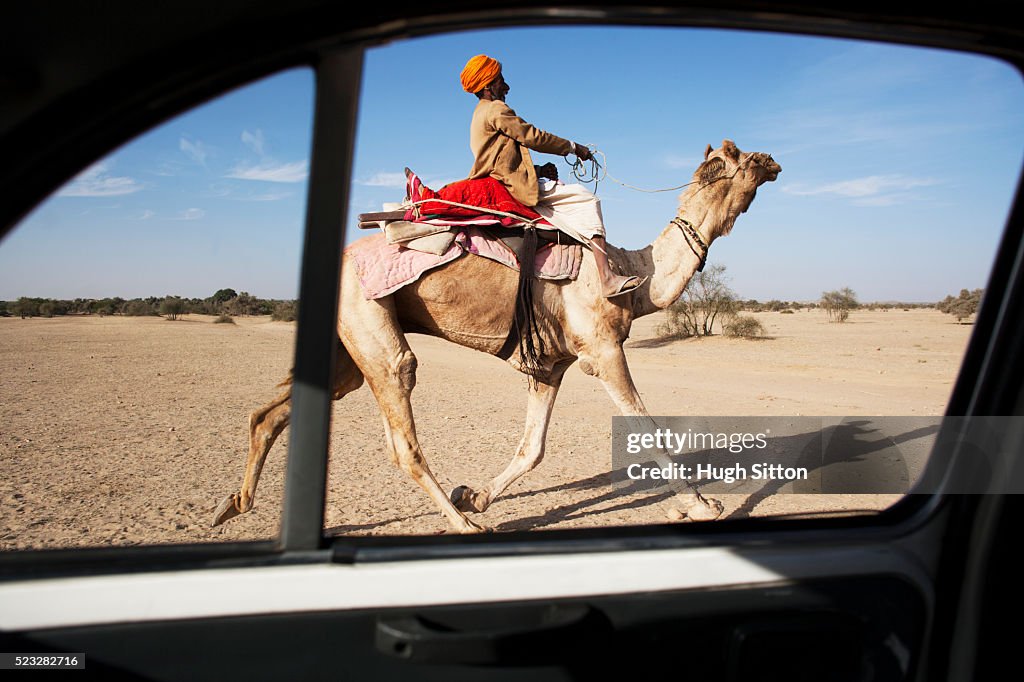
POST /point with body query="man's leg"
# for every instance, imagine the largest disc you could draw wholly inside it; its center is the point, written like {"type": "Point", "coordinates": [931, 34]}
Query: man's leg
{"type": "Point", "coordinates": [611, 284]}
{"type": "Point", "coordinates": [577, 212]}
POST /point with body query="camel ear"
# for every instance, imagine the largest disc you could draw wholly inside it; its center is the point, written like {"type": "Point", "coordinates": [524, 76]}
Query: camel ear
{"type": "Point", "coordinates": [730, 149]}
{"type": "Point", "coordinates": [708, 151]}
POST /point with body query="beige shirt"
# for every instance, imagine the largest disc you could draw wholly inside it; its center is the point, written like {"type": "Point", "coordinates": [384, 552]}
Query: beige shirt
{"type": "Point", "coordinates": [501, 141]}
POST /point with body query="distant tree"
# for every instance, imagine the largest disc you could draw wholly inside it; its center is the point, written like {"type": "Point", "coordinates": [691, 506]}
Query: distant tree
{"type": "Point", "coordinates": [4, 309]}
{"type": "Point", "coordinates": [963, 306]}
{"type": "Point", "coordinates": [109, 306]}
{"type": "Point", "coordinates": [243, 304]}
{"type": "Point", "coordinates": [224, 295]}
{"type": "Point", "coordinates": [839, 303]}
{"type": "Point", "coordinates": [285, 311]}
{"type": "Point", "coordinates": [706, 297]}
{"type": "Point", "coordinates": [139, 308]}
{"type": "Point", "coordinates": [173, 307]}
{"type": "Point", "coordinates": [26, 307]}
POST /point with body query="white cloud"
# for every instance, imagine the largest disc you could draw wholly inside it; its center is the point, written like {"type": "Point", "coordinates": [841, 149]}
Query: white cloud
{"type": "Point", "coordinates": [191, 214]}
{"type": "Point", "coordinates": [684, 162]}
{"type": "Point", "coordinates": [436, 183]}
{"type": "Point", "coordinates": [193, 150]}
{"type": "Point", "coordinates": [266, 196]}
{"type": "Point", "coordinates": [873, 190]}
{"type": "Point", "coordinates": [96, 181]}
{"type": "Point", "coordinates": [295, 171]}
{"type": "Point", "coordinates": [147, 214]}
{"type": "Point", "coordinates": [253, 141]}
{"type": "Point", "coordinates": [385, 180]}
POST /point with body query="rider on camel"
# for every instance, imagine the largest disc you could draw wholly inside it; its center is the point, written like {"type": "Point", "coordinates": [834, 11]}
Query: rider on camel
{"type": "Point", "coordinates": [501, 141]}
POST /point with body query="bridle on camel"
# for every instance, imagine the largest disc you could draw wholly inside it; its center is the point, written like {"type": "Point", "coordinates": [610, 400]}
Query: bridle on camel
{"type": "Point", "coordinates": [693, 240]}
{"type": "Point", "coordinates": [711, 171]}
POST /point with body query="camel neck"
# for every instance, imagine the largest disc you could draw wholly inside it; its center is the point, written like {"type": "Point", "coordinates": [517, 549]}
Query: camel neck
{"type": "Point", "coordinates": [670, 262]}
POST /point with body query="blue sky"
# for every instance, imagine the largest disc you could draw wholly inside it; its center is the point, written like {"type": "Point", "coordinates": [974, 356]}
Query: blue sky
{"type": "Point", "coordinates": [898, 163]}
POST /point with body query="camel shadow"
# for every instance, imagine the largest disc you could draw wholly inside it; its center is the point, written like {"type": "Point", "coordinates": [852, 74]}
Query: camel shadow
{"type": "Point", "coordinates": [356, 528]}
{"type": "Point", "coordinates": [856, 443]}
{"type": "Point", "coordinates": [576, 509]}
{"type": "Point", "coordinates": [659, 342]}
{"type": "Point", "coordinates": [853, 444]}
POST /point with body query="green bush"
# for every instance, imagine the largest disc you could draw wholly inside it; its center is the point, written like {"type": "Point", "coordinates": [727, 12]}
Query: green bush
{"type": "Point", "coordinates": [173, 307]}
{"type": "Point", "coordinates": [139, 308]}
{"type": "Point", "coordinates": [705, 297]}
{"type": "Point", "coordinates": [26, 307]}
{"type": "Point", "coordinates": [224, 318]}
{"type": "Point", "coordinates": [744, 327]}
{"type": "Point", "coordinates": [963, 306]}
{"type": "Point", "coordinates": [839, 304]}
{"type": "Point", "coordinates": [285, 311]}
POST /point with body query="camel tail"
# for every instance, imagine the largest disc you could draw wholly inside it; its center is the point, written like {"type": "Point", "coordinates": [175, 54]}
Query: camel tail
{"type": "Point", "coordinates": [531, 347]}
{"type": "Point", "coordinates": [343, 371]}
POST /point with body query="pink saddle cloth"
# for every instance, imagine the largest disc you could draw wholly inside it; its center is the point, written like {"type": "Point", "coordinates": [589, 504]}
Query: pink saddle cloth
{"type": "Point", "coordinates": [385, 268]}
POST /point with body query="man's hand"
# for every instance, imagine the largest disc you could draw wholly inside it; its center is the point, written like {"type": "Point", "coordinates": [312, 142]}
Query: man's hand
{"type": "Point", "coordinates": [581, 152]}
{"type": "Point", "coordinates": [548, 170]}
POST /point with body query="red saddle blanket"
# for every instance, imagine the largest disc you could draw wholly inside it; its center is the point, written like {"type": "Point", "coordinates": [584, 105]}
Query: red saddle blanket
{"type": "Point", "coordinates": [483, 195]}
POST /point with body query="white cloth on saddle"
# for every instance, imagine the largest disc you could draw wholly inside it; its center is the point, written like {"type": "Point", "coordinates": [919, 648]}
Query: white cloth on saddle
{"type": "Point", "coordinates": [573, 209]}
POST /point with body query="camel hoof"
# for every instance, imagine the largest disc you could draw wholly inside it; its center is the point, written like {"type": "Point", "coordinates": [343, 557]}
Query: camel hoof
{"type": "Point", "coordinates": [472, 528]}
{"type": "Point", "coordinates": [705, 510]}
{"type": "Point", "coordinates": [227, 509]}
{"type": "Point", "coordinates": [457, 495]}
{"type": "Point", "coordinates": [462, 498]}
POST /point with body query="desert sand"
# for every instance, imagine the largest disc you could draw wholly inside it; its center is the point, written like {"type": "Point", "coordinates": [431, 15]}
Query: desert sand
{"type": "Point", "coordinates": [124, 431]}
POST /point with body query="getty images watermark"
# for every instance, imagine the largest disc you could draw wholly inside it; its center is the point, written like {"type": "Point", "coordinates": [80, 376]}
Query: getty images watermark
{"type": "Point", "coordinates": [817, 454]}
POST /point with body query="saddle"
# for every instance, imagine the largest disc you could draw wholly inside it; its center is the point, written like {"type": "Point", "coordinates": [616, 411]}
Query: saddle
{"type": "Point", "coordinates": [428, 220]}
{"type": "Point", "coordinates": [483, 202]}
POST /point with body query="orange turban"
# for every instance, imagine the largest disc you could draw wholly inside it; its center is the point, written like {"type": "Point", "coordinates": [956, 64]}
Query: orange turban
{"type": "Point", "coordinates": [479, 72]}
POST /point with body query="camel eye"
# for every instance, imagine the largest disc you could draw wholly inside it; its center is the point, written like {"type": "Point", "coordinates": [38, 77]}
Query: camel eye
{"type": "Point", "coordinates": [711, 170]}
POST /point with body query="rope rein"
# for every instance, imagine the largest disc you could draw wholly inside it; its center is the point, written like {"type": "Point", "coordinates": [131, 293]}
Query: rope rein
{"type": "Point", "coordinates": [595, 175]}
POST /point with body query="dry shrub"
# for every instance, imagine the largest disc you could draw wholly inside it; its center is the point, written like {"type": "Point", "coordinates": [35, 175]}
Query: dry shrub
{"type": "Point", "coordinates": [743, 327]}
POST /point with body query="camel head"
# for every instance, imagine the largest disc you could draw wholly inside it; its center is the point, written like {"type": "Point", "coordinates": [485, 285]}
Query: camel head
{"type": "Point", "coordinates": [725, 184]}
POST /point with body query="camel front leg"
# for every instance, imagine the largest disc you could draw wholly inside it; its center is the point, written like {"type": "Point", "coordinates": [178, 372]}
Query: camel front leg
{"type": "Point", "coordinates": [611, 368]}
{"type": "Point", "coordinates": [540, 401]}
{"type": "Point", "coordinates": [392, 391]}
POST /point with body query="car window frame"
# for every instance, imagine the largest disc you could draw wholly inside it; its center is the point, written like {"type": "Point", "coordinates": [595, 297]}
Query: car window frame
{"type": "Point", "coordinates": [980, 387]}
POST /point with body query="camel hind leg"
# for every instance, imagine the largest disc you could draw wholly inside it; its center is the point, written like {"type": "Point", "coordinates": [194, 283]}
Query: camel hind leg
{"type": "Point", "coordinates": [542, 394]}
{"type": "Point", "coordinates": [267, 423]}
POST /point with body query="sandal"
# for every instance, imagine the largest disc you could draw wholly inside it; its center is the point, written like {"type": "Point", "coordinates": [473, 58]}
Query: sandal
{"type": "Point", "coordinates": [626, 285]}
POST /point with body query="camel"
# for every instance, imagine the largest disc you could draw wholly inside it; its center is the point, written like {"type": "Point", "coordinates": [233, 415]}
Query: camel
{"type": "Point", "coordinates": [574, 323]}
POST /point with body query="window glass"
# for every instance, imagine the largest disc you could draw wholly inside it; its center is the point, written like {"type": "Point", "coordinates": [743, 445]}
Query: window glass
{"type": "Point", "coordinates": [847, 290]}
{"type": "Point", "coordinates": [147, 306]}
